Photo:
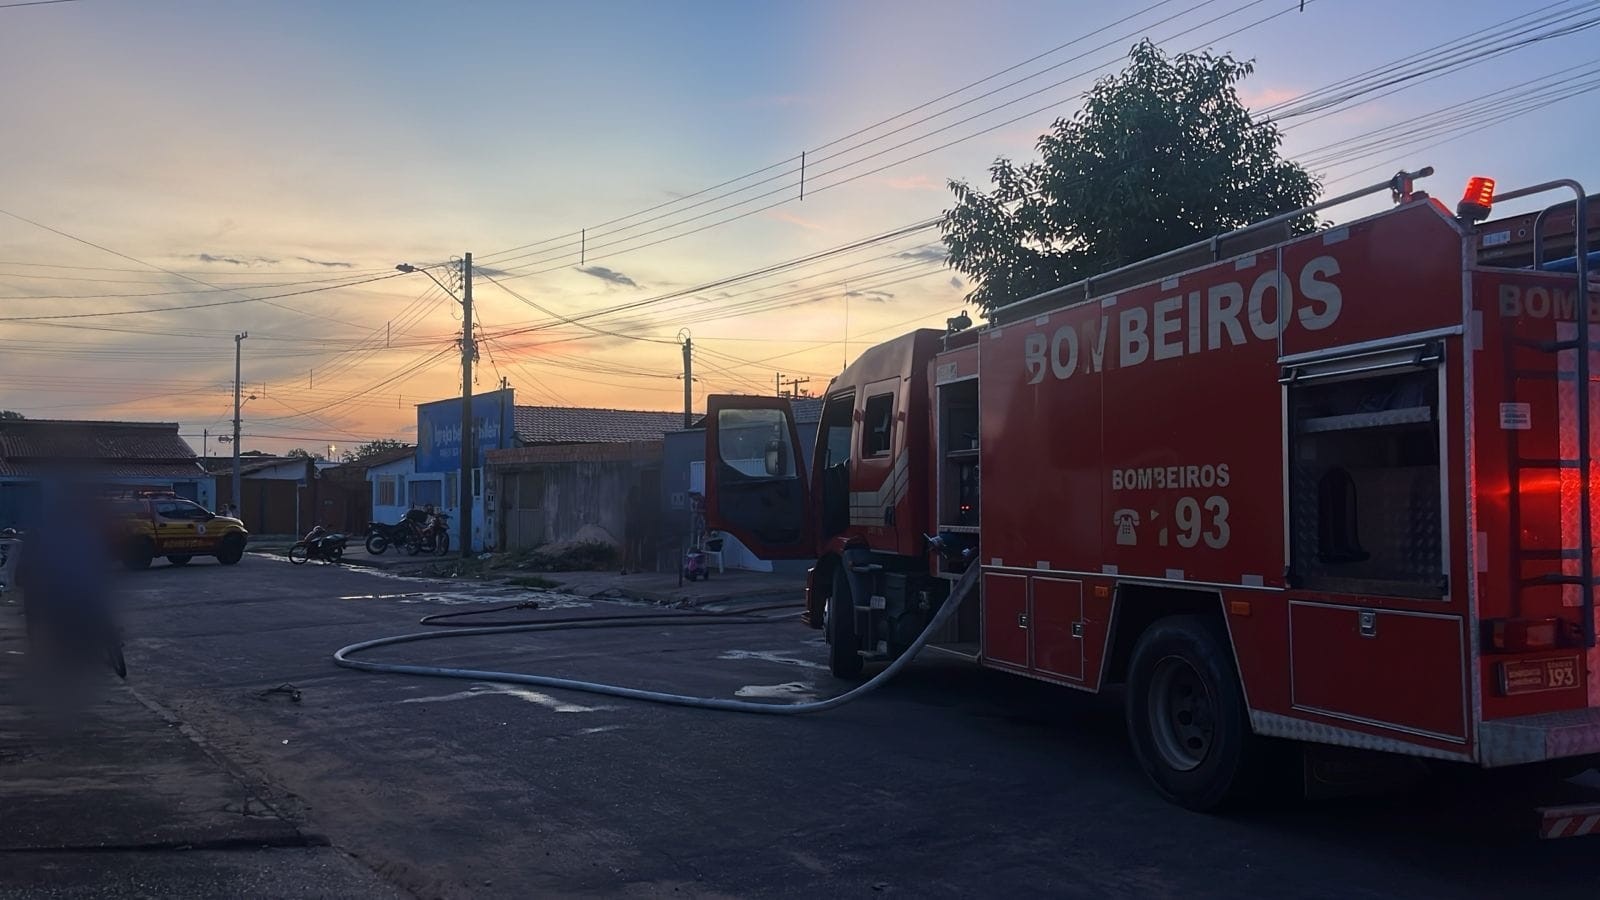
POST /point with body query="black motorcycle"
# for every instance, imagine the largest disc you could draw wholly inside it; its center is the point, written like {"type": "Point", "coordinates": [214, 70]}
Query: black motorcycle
{"type": "Point", "coordinates": [381, 537]}
{"type": "Point", "coordinates": [319, 543]}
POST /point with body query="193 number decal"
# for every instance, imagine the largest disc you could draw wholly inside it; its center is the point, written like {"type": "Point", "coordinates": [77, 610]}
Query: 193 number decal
{"type": "Point", "coordinates": [1199, 521]}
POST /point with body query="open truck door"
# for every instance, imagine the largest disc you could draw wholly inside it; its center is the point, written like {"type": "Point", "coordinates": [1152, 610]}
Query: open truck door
{"type": "Point", "coordinates": [755, 481]}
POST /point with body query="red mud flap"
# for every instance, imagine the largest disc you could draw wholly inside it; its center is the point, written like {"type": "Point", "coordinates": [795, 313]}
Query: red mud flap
{"type": "Point", "coordinates": [1569, 821]}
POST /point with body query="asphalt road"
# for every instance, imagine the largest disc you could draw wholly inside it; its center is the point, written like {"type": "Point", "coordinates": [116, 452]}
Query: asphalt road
{"type": "Point", "coordinates": [952, 781]}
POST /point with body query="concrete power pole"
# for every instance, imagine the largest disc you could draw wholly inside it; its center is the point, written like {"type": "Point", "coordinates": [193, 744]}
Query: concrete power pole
{"type": "Point", "coordinates": [238, 345]}
{"type": "Point", "coordinates": [468, 442]}
{"type": "Point", "coordinates": [688, 382]}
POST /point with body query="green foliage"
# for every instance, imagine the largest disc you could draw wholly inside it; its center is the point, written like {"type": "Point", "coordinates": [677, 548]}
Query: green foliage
{"type": "Point", "coordinates": [9, 414]}
{"type": "Point", "coordinates": [303, 453]}
{"type": "Point", "coordinates": [371, 448]}
{"type": "Point", "coordinates": [1161, 155]}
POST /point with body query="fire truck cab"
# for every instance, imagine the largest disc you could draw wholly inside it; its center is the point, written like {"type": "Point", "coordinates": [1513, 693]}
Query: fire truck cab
{"type": "Point", "coordinates": [1334, 487]}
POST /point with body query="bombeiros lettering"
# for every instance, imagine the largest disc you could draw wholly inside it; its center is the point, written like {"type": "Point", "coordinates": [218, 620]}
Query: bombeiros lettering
{"type": "Point", "coordinates": [1217, 317]}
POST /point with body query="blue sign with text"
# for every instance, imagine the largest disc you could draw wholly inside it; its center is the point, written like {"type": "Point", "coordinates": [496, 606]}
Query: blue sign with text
{"type": "Point", "coordinates": [439, 430]}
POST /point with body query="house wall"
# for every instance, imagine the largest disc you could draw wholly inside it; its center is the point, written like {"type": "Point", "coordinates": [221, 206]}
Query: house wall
{"type": "Point", "coordinates": [277, 499]}
{"type": "Point", "coordinates": [402, 471]}
{"type": "Point", "coordinates": [580, 491]}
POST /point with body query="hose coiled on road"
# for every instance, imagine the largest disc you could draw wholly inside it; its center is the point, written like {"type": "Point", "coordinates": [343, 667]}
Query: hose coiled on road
{"type": "Point", "coordinates": [343, 657]}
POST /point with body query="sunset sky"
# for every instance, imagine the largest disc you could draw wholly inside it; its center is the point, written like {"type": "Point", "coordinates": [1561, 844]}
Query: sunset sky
{"type": "Point", "coordinates": [265, 148]}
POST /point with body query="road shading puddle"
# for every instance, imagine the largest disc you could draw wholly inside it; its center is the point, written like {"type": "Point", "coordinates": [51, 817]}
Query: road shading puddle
{"type": "Point", "coordinates": [490, 690]}
{"type": "Point", "coordinates": [772, 656]}
{"type": "Point", "coordinates": [791, 690]}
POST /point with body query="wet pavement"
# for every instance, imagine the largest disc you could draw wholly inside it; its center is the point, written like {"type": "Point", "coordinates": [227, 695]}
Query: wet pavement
{"type": "Point", "coordinates": [951, 781]}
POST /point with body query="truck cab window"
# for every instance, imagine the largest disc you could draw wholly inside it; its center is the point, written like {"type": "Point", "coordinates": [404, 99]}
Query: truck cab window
{"type": "Point", "coordinates": [838, 416]}
{"type": "Point", "coordinates": [1365, 498]}
{"type": "Point", "coordinates": [755, 443]}
{"type": "Point", "coordinates": [877, 423]}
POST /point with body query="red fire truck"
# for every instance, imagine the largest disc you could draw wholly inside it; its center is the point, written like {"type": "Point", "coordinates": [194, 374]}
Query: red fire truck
{"type": "Point", "coordinates": [1332, 488]}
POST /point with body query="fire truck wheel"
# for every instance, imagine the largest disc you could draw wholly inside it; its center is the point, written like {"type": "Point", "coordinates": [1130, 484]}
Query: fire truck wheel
{"type": "Point", "coordinates": [1186, 713]}
{"type": "Point", "coordinates": [139, 555]}
{"type": "Point", "coordinates": [232, 550]}
{"type": "Point", "coordinates": [843, 660]}
{"type": "Point", "coordinates": [181, 559]}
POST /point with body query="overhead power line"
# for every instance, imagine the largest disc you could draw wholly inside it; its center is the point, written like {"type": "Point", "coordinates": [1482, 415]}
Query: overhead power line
{"type": "Point", "coordinates": [243, 298]}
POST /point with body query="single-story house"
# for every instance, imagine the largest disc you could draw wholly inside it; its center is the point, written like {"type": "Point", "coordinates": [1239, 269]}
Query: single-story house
{"type": "Point", "coordinates": [501, 426]}
{"type": "Point", "coordinates": [586, 492]}
{"type": "Point", "coordinates": [580, 473]}
{"type": "Point", "coordinates": [278, 494]}
{"type": "Point", "coordinates": [138, 455]}
{"type": "Point", "coordinates": [393, 489]}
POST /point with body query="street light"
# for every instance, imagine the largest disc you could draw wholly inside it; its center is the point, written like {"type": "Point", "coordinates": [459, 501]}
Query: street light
{"type": "Point", "coordinates": [468, 349]}
{"type": "Point", "coordinates": [408, 268]}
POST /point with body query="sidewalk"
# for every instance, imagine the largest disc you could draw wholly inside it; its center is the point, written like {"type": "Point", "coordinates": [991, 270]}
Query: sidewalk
{"type": "Point", "coordinates": [731, 586]}
{"type": "Point", "coordinates": [120, 802]}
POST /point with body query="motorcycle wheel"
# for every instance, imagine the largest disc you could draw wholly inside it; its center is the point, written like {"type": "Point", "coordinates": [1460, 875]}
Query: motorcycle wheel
{"type": "Point", "coordinates": [376, 544]}
{"type": "Point", "coordinates": [441, 543]}
{"type": "Point", "coordinates": [300, 553]}
{"type": "Point", "coordinates": [337, 553]}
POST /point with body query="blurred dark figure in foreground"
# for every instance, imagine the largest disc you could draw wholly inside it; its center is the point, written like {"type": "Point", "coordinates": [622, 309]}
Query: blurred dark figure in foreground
{"type": "Point", "coordinates": [65, 575]}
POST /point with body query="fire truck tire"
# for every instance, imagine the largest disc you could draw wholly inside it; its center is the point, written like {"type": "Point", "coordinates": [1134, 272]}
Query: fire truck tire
{"type": "Point", "coordinates": [141, 553]}
{"type": "Point", "coordinates": [232, 550]}
{"type": "Point", "coordinates": [181, 559]}
{"type": "Point", "coordinates": [843, 660]}
{"type": "Point", "coordinates": [1187, 718]}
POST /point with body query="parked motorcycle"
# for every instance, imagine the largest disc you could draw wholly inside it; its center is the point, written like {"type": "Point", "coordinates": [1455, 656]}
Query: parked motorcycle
{"type": "Point", "coordinates": [319, 543]}
{"type": "Point", "coordinates": [381, 537]}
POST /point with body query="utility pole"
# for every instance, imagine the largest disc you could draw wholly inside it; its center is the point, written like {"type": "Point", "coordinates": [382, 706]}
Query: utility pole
{"type": "Point", "coordinates": [468, 444]}
{"type": "Point", "coordinates": [777, 384]}
{"type": "Point", "coordinates": [688, 382]}
{"type": "Point", "coordinates": [238, 345]}
{"type": "Point", "coordinates": [794, 388]}
{"type": "Point", "coordinates": [205, 442]}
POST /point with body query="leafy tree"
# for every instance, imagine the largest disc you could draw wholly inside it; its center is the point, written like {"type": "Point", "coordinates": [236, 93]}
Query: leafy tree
{"type": "Point", "coordinates": [371, 448]}
{"type": "Point", "coordinates": [9, 414]}
{"type": "Point", "coordinates": [1161, 155]}
{"type": "Point", "coordinates": [303, 453]}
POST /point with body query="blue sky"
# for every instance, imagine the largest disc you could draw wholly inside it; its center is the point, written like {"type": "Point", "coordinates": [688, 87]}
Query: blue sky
{"type": "Point", "coordinates": [286, 136]}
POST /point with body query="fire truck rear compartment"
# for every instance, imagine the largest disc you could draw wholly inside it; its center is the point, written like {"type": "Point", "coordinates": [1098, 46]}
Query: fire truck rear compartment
{"type": "Point", "coordinates": [1534, 493]}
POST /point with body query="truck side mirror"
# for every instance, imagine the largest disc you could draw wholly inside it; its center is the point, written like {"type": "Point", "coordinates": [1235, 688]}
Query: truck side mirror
{"type": "Point", "coordinates": [777, 457]}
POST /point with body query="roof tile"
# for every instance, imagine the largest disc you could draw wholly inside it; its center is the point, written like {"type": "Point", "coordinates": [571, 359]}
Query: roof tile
{"type": "Point", "coordinates": [581, 425]}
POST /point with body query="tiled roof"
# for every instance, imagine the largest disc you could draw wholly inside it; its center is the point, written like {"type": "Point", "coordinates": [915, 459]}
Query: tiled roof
{"type": "Point", "coordinates": [35, 447]}
{"type": "Point", "coordinates": [579, 425]}
{"type": "Point", "coordinates": [53, 439]}
{"type": "Point", "coordinates": [807, 411]}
